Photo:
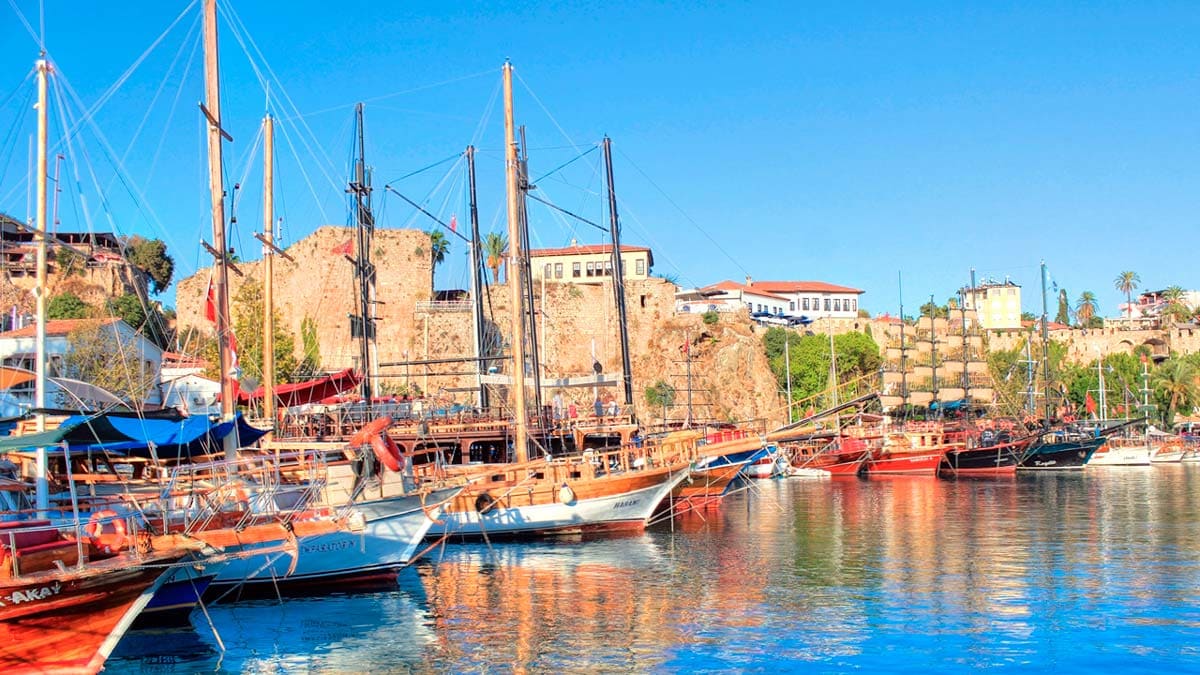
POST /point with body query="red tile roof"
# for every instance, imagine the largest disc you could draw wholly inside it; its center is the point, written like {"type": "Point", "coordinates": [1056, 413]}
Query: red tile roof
{"type": "Point", "coordinates": [57, 327]}
{"type": "Point", "coordinates": [584, 249]}
{"type": "Point", "coordinates": [735, 286]}
{"type": "Point", "coordinates": [802, 287]}
{"type": "Point", "coordinates": [1050, 325]}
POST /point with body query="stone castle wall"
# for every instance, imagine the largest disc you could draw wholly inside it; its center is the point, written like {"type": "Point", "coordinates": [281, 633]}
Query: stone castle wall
{"type": "Point", "coordinates": [576, 324]}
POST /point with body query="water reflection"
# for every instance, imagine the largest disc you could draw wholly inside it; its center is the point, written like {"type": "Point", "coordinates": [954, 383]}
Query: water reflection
{"type": "Point", "coordinates": [1087, 570]}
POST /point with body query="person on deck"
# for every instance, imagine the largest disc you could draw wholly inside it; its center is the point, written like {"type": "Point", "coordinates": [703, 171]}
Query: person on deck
{"type": "Point", "coordinates": [598, 406]}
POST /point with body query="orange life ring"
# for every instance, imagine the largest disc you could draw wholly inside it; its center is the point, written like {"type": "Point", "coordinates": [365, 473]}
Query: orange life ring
{"type": "Point", "coordinates": [372, 428]}
{"type": "Point", "coordinates": [386, 451]}
{"type": "Point", "coordinates": [107, 543]}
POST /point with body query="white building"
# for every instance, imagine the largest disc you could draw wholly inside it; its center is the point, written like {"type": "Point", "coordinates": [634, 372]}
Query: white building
{"type": "Point", "coordinates": [185, 388]}
{"type": "Point", "coordinates": [998, 305]}
{"type": "Point", "coordinates": [733, 295]}
{"type": "Point", "coordinates": [18, 347]}
{"type": "Point", "coordinates": [813, 299]}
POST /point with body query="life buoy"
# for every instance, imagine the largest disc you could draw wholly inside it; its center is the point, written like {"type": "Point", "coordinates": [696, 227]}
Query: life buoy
{"type": "Point", "coordinates": [107, 543]}
{"type": "Point", "coordinates": [565, 494]}
{"type": "Point", "coordinates": [372, 428]}
{"type": "Point", "coordinates": [484, 502]}
{"type": "Point", "coordinates": [387, 452]}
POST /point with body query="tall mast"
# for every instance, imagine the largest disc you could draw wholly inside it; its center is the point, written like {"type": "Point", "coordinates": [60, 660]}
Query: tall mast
{"type": "Point", "coordinates": [933, 351]}
{"type": "Point", "coordinates": [527, 271]}
{"type": "Point", "coordinates": [618, 278]}
{"type": "Point", "coordinates": [1030, 372]}
{"type": "Point", "coordinates": [43, 486]}
{"type": "Point", "coordinates": [1046, 351]}
{"type": "Point", "coordinates": [476, 282]}
{"type": "Point", "coordinates": [903, 350]}
{"type": "Point", "coordinates": [1103, 398]}
{"type": "Point", "coordinates": [966, 376]}
{"type": "Point", "coordinates": [515, 278]}
{"type": "Point", "coordinates": [268, 359]}
{"type": "Point", "coordinates": [216, 188]}
{"type": "Point", "coordinates": [363, 326]}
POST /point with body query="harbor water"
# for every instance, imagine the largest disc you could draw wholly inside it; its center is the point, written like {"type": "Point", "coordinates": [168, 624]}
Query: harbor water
{"type": "Point", "coordinates": [1098, 569]}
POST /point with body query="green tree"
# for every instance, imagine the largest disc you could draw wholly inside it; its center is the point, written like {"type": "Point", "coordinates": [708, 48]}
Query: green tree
{"type": "Point", "coordinates": [1064, 309]}
{"type": "Point", "coordinates": [128, 308]}
{"type": "Point", "coordinates": [97, 356]}
{"type": "Point", "coordinates": [1085, 309]}
{"type": "Point", "coordinates": [310, 362]}
{"type": "Point", "coordinates": [68, 261]}
{"type": "Point", "coordinates": [495, 245]}
{"type": "Point", "coordinates": [150, 257]}
{"type": "Point", "coordinates": [247, 310]}
{"type": "Point", "coordinates": [1028, 316]}
{"type": "Point", "coordinates": [1127, 283]}
{"type": "Point", "coordinates": [857, 355]}
{"type": "Point", "coordinates": [1177, 308]}
{"type": "Point", "coordinates": [660, 395]}
{"type": "Point", "coordinates": [1174, 382]}
{"type": "Point", "coordinates": [68, 306]}
{"type": "Point", "coordinates": [439, 246]}
{"type": "Point", "coordinates": [933, 310]}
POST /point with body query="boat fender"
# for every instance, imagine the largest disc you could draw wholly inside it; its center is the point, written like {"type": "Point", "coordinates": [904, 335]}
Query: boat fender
{"type": "Point", "coordinates": [372, 428]}
{"type": "Point", "coordinates": [484, 502]}
{"type": "Point", "coordinates": [107, 543]}
{"type": "Point", "coordinates": [386, 451]}
{"type": "Point", "coordinates": [565, 494]}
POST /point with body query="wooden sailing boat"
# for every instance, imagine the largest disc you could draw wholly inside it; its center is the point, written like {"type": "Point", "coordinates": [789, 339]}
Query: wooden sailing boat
{"type": "Point", "coordinates": [594, 491]}
{"type": "Point", "coordinates": [63, 605]}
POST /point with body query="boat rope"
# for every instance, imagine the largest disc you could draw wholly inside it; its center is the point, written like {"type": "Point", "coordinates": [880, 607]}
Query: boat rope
{"type": "Point", "coordinates": [207, 617]}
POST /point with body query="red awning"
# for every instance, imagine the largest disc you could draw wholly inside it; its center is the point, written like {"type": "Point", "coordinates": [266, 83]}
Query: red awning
{"type": "Point", "coordinates": [300, 393]}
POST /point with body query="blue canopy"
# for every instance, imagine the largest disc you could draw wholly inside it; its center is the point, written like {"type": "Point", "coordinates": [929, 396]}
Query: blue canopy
{"type": "Point", "coordinates": [172, 437]}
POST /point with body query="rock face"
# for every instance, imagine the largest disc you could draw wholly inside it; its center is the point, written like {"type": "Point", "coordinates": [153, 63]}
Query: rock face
{"type": "Point", "coordinates": [576, 324]}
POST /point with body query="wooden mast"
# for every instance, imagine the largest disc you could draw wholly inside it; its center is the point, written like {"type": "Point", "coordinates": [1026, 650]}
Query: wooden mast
{"type": "Point", "coordinates": [268, 359]}
{"type": "Point", "coordinates": [618, 278]}
{"type": "Point", "coordinates": [515, 277]}
{"type": "Point", "coordinates": [476, 284]}
{"type": "Point", "coordinates": [216, 187]}
{"type": "Point", "coordinates": [43, 487]}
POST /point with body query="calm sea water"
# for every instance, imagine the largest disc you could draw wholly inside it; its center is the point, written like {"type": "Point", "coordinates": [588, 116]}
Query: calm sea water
{"type": "Point", "coordinates": [1097, 570]}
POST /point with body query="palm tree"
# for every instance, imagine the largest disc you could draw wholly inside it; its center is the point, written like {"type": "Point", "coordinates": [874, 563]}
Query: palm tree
{"type": "Point", "coordinates": [439, 246]}
{"type": "Point", "coordinates": [495, 245]}
{"type": "Point", "coordinates": [1176, 305]}
{"type": "Point", "coordinates": [1085, 308]}
{"type": "Point", "coordinates": [1127, 283]}
{"type": "Point", "coordinates": [1175, 379]}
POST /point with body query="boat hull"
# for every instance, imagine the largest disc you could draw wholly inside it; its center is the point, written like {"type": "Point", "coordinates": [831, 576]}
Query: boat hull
{"type": "Point", "coordinates": [625, 508]}
{"type": "Point", "coordinates": [1064, 455]}
{"type": "Point", "coordinates": [368, 557]}
{"type": "Point", "coordinates": [904, 464]}
{"type": "Point", "coordinates": [180, 591]}
{"type": "Point", "coordinates": [70, 622]}
{"type": "Point", "coordinates": [996, 460]}
{"type": "Point", "coordinates": [1121, 455]}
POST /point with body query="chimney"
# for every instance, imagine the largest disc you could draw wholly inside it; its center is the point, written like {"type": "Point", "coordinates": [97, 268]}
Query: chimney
{"type": "Point", "coordinates": [574, 242]}
{"type": "Point", "coordinates": [749, 280]}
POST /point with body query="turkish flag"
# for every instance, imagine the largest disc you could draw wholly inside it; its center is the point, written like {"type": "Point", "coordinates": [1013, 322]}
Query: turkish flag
{"type": "Point", "coordinates": [1089, 404]}
{"type": "Point", "coordinates": [345, 249]}
{"type": "Point", "coordinates": [210, 302]}
{"type": "Point", "coordinates": [453, 223]}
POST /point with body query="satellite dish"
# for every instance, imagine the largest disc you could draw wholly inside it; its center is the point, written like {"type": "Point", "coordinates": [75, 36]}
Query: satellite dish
{"type": "Point", "coordinates": [596, 367]}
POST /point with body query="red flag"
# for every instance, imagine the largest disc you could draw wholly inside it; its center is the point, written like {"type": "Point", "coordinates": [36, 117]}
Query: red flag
{"type": "Point", "coordinates": [453, 223]}
{"type": "Point", "coordinates": [234, 370]}
{"type": "Point", "coordinates": [1089, 404]}
{"type": "Point", "coordinates": [210, 302]}
{"type": "Point", "coordinates": [345, 249]}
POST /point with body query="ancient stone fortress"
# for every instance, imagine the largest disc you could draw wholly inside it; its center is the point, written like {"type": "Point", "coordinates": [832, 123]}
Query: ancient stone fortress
{"type": "Point", "coordinates": [576, 323]}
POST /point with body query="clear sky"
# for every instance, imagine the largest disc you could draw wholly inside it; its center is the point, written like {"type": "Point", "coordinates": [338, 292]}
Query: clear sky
{"type": "Point", "coordinates": [847, 142]}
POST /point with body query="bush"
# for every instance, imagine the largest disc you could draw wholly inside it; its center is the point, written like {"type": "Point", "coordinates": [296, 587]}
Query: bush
{"type": "Point", "coordinates": [711, 318]}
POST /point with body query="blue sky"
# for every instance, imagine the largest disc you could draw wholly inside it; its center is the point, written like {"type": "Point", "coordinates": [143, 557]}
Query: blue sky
{"type": "Point", "coordinates": [846, 143]}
